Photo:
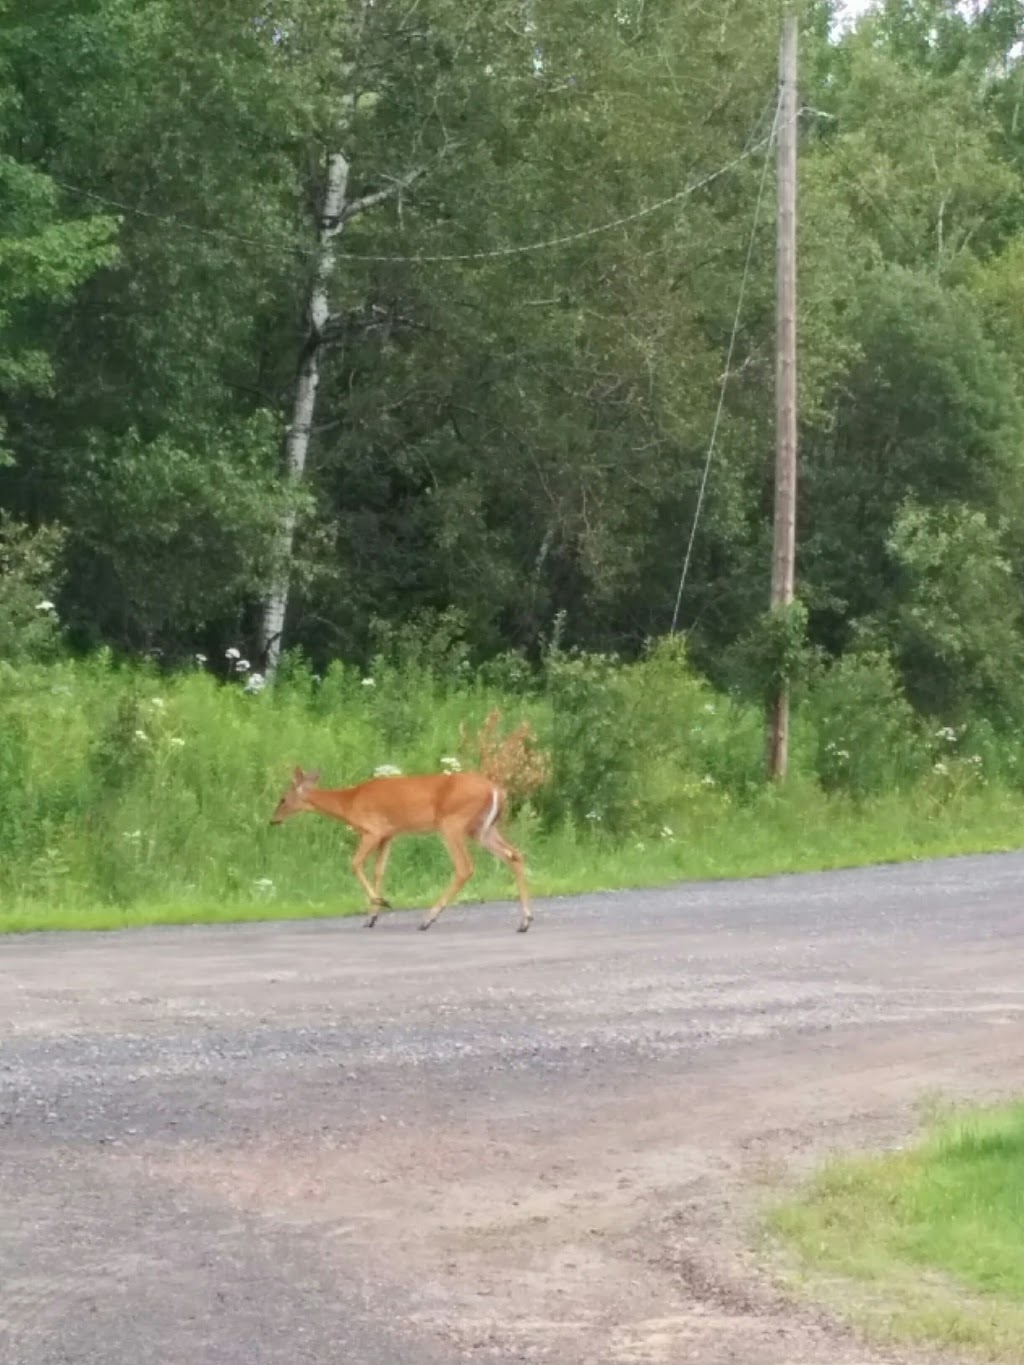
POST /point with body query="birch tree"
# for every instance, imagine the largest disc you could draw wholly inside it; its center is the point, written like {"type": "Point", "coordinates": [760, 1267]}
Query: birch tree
{"type": "Point", "coordinates": [337, 210]}
{"type": "Point", "coordinates": [341, 55]}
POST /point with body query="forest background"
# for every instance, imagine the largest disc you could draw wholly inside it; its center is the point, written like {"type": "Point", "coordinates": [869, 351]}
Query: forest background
{"type": "Point", "coordinates": [508, 242]}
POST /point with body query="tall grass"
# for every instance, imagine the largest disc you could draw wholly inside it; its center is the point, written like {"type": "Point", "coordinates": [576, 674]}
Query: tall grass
{"type": "Point", "coordinates": [128, 796]}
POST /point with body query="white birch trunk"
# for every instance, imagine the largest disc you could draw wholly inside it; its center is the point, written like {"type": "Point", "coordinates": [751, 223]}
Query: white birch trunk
{"type": "Point", "coordinates": [304, 408]}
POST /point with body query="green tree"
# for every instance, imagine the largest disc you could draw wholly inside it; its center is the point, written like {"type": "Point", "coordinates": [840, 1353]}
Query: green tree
{"type": "Point", "coordinates": [45, 253]}
{"type": "Point", "coordinates": [163, 364]}
{"type": "Point", "coordinates": [956, 622]}
{"type": "Point", "coordinates": [930, 411]}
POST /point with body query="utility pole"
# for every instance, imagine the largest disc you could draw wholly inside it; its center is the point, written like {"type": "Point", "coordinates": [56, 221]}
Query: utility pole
{"type": "Point", "coordinates": [785, 379]}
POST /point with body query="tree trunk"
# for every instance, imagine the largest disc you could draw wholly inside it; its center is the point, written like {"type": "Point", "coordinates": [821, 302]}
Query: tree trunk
{"type": "Point", "coordinates": [307, 382]}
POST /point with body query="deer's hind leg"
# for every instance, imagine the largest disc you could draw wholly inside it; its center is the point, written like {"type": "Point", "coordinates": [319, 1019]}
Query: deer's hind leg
{"type": "Point", "coordinates": [496, 843]}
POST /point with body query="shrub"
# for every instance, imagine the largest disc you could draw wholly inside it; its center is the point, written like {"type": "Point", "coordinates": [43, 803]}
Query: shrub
{"type": "Point", "coordinates": [29, 580]}
{"type": "Point", "coordinates": [869, 739]}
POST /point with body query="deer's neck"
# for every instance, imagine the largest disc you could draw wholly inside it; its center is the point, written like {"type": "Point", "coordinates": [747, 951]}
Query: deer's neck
{"type": "Point", "coordinates": [334, 803]}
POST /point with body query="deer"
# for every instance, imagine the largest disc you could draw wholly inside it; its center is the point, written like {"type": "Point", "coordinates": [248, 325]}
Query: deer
{"type": "Point", "coordinates": [458, 806]}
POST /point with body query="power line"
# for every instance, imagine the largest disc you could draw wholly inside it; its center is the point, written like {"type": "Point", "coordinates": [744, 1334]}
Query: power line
{"type": "Point", "coordinates": [494, 253]}
{"type": "Point", "coordinates": [726, 374]}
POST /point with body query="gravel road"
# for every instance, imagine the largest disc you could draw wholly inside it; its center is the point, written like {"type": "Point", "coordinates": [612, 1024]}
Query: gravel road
{"type": "Point", "coordinates": [284, 1143]}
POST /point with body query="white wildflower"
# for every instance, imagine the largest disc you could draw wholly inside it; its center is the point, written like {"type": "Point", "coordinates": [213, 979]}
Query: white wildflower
{"type": "Point", "coordinates": [157, 703]}
{"type": "Point", "coordinates": [263, 885]}
{"type": "Point", "coordinates": [450, 763]}
{"type": "Point", "coordinates": [232, 653]}
{"type": "Point", "coordinates": [709, 707]}
{"type": "Point", "coordinates": [708, 780]}
{"type": "Point", "coordinates": [941, 768]}
{"type": "Point", "coordinates": [141, 736]}
{"type": "Point", "coordinates": [242, 665]}
{"type": "Point", "coordinates": [947, 732]}
{"type": "Point", "coordinates": [133, 834]}
{"type": "Point", "coordinates": [593, 815]}
{"type": "Point", "coordinates": [387, 770]}
{"type": "Point", "coordinates": [177, 742]}
{"type": "Point", "coordinates": [256, 682]}
{"type": "Point", "coordinates": [45, 605]}
{"type": "Point", "coordinates": [200, 659]}
{"type": "Point", "coordinates": [667, 833]}
{"type": "Point", "coordinates": [369, 682]}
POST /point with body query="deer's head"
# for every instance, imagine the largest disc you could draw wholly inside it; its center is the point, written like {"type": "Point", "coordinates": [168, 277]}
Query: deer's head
{"type": "Point", "coordinates": [296, 798]}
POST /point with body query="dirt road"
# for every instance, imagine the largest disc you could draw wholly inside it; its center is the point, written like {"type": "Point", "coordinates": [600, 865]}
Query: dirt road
{"type": "Point", "coordinates": [274, 1144]}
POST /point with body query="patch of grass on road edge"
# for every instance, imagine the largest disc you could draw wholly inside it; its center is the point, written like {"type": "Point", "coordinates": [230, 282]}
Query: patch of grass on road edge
{"type": "Point", "coordinates": [922, 1245]}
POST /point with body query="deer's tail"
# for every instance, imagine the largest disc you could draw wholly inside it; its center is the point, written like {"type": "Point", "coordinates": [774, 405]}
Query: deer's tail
{"type": "Point", "coordinates": [491, 815]}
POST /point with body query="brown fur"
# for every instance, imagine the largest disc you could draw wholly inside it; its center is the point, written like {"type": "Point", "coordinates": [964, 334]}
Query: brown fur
{"type": "Point", "coordinates": [457, 806]}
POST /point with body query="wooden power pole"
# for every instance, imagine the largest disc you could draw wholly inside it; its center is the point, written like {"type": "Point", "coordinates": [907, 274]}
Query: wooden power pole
{"type": "Point", "coordinates": [785, 379]}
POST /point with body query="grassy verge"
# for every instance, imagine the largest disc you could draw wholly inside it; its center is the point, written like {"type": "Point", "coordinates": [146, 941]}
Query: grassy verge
{"type": "Point", "coordinates": [131, 797]}
{"type": "Point", "coordinates": [304, 867]}
{"type": "Point", "coordinates": [923, 1245]}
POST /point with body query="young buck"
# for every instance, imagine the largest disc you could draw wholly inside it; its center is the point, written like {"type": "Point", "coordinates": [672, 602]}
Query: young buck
{"type": "Point", "coordinates": [458, 806]}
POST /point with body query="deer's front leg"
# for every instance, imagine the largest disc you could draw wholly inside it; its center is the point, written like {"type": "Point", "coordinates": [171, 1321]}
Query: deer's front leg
{"type": "Point", "coordinates": [367, 844]}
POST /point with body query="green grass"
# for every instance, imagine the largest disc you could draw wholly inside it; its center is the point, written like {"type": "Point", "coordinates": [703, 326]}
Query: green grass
{"type": "Point", "coordinates": [926, 1244]}
{"type": "Point", "coordinates": [127, 797]}
{"type": "Point", "coordinates": [798, 833]}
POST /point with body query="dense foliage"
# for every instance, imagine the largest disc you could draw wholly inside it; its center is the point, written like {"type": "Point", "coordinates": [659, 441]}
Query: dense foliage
{"type": "Point", "coordinates": [512, 435]}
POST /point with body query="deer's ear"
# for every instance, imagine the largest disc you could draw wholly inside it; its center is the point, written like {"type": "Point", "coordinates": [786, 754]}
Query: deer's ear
{"type": "Point", "coordinates": [314, 777]}
{"type": "Point", "coordinates": [299, 775]}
